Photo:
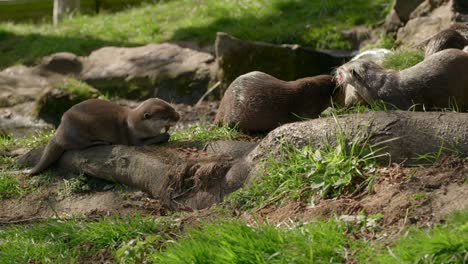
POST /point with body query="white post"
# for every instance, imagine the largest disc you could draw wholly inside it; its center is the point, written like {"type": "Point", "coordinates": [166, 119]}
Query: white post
{"type": "Point", "coordinates": [63, 7]}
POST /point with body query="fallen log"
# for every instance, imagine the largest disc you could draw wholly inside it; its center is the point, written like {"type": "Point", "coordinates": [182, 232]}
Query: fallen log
{"type": "Point", "coordinates": [182, 174]}
{"type": "Point", "coordinates": [405, 136]}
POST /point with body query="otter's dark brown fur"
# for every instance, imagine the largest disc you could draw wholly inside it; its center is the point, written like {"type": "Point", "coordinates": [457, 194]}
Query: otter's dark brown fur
{"type": "Point", "coordinates": [100, 122]}
{"type": "Point", "coordinates": [455, 37]}
{"type": "Point", "coordinates": [258, 102]}
{"type": "Point", "coordinates": [440, 81]}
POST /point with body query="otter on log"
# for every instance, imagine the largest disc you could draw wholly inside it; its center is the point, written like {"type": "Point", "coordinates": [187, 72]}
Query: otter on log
{"type": "Point", "coordinates": [258, 102]}
{"type": "Point", "coordinates": [99, 122]}
{"type": "Point", "coordinates": [440, 81]}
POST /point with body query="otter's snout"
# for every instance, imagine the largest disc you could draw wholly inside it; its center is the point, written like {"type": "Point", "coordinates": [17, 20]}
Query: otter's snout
{"type": "Point", "coordinates": [340, 76]}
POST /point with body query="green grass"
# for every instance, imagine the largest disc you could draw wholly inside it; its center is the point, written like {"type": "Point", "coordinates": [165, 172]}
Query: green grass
{"type": "Point", "coordinates": [41, 10]}
{"type": "Point", "coordinates": [298, 174]}
{"type": "Point", "coordinates": [80, 89]}
{"type": "Point", "coordinates": [401, 60]}
{"type": "Point", "coordinates": [206, 133]}
{"type": "Point", "coordinates": [66, 241]}
{"type": "Point", "coordinates": [9, 143]}
{"type": "Point", "coordinates": [9, 186]}
{"type": "Point", "coordinates": [236, 242]}
{"type": "Point", "coordinates": [313, 23]}
{"type": "Point", "coordinates": [385, 41]}
{"type": "Point", "coordinates": [446, 243]}
{"type": "Point", "coordinates": [337, 110]}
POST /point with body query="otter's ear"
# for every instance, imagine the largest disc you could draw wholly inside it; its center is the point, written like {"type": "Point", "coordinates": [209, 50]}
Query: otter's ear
{"type": "Point", "coordinates": [353, 72]}
{"type": "Point", "coordinates": [146, 115]}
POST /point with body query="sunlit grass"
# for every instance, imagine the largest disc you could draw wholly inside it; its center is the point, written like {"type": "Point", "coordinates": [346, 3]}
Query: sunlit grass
{"type": "Point", "coordinates": [206, 133]}
{"type": "Point", "coordinates": [9, 143]}
{"type": "Point", "coordinates": [317, 24]}
{"type": "Point", "coordinates": [65, 241]}
{"type": "Point", "coordinates": [297, 174]}
{"type": "Point", "coordinates": [401, 60]}
{"type": "Point", "coordinates": [236, 242]}
{"type": "Point", "coordinates": [447, 243]}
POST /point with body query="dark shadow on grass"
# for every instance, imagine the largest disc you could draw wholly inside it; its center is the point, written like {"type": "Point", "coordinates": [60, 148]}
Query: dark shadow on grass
{"type": "Point", "coordinates": [29, 49]}
{"type": "Point", "coordinates": [312, 23]}
{"type": "Point", "coordinates": [41, 10]}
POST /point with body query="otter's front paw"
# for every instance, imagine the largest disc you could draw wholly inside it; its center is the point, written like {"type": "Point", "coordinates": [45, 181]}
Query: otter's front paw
{"type": "Point", "coordinates": [164, 137]}
{"type": "Point", "coordinates": [161, 138]}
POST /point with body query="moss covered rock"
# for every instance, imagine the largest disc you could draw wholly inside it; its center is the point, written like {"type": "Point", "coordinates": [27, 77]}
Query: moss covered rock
{"type": "Point", "coordinates": [51, 104]}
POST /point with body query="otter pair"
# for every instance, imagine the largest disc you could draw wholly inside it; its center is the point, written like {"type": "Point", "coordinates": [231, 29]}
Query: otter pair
{"type": "Point", "coordinates": [99, 122]}
{"type": "Point", "coordinates": [440, 81]}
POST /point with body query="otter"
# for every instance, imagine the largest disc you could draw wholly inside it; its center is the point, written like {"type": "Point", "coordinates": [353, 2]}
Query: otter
{"type": "Point", "coordinates": [440, 81]}
{"type": "Point", "coordinates": [258, 102]}
{"type": "Point", "coordinates": [351, 97]}
{"type": "Point", "coordinates": [99, 122]}
{"type": "Point", "coordinates": [456, 36]}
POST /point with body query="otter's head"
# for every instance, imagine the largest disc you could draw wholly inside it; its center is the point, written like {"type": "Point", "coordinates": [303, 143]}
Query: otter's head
{"type": "Point", "coordinates": [152, 116]}
{"type": "Point", "coordinates": [356, 78]}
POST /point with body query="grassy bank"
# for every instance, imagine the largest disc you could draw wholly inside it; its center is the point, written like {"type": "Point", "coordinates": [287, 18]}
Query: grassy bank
{"type": "Point", "coordinates": [312, 23]}
{"type": "Point", "coordinates": [137, 238]}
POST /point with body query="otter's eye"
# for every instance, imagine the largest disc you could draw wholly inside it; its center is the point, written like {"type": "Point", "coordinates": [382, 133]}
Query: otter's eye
{"type": "Point", "coordinates": [353, 72]}
{"type": "Point", "coordinates": [146, 116]}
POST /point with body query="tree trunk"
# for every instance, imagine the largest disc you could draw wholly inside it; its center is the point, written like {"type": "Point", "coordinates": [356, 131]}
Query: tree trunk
{"type": "Point", "coordinates": [63, 7]}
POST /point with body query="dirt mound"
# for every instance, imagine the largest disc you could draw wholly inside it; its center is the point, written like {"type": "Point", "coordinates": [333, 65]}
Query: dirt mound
{"type": "Point", "coordinates": [51, 203]}
{"type": "Point", "coordinates": [414, 195]}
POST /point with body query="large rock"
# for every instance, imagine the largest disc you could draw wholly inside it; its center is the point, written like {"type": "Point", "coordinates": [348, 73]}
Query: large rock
{"type": "Point", "coordinates": [419, 30]}
{"type": "Point", "coordinates": [286, 62]}
{"type": "Point", "coordinates": [400, 14]}
{"type": "Point", "coordinates": [62, 63]}
{"type": "Point", "coordinates": [19, 88]}
{"type": "Point", "coordinates": [430, 17]}
{"type": "Point", "coordinates": [20, 84]}
{"type": "Point", "coordinates": [163, 70]}
{"type": "Point", "coordinates": [404, 8]}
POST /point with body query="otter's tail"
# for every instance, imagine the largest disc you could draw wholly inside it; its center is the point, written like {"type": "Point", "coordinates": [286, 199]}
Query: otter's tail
{"type": "Point", "coordinates": [51, 153]}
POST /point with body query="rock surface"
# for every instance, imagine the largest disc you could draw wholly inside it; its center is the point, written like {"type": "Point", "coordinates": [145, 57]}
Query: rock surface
{"type": "Point", "coordinates": [428, 18]}
{"type": "Point", "coordinates": [19, 88]}
{"type": "Point", "coordinates": [63, 63]}
{"type": "Point", "coordinates": [286, 62]}
{"type": "Point", "coordinates": [164, 70]}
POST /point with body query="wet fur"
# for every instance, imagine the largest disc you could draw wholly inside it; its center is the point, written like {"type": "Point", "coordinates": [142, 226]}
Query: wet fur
{"type": "Point", "coordinates": [455, 37]}
{"type": "Point", "coordinates": [258, 102]}
{"type": "Point", "coordinates": [440, 81]}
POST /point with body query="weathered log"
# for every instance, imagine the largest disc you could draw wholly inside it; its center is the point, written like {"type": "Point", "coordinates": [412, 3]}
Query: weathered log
{"type": "Point", "coordinates": [183, 174]}
{"type": "Point", "coordinates": [403, 135]}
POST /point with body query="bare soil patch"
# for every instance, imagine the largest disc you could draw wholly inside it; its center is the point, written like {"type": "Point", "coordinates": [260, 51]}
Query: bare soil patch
{"type": "Point", "coordinates": [420, 196]}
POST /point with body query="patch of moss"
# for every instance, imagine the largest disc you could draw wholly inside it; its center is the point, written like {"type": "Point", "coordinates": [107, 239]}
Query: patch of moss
{"type": "Point", "coordinates": [385, 41]}
{"type": "Point", "coordinates": [136, 89]}
{"type": "Point", "coordinates": [401, 60]}
{"type": "Point", "coordinates": [54, 102]}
